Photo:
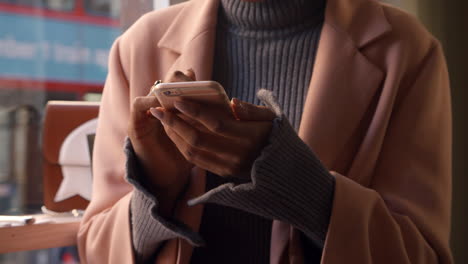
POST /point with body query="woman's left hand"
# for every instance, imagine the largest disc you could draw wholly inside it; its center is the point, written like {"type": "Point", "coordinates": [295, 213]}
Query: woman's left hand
{"type": "Point", "coordinates": [211, 138]}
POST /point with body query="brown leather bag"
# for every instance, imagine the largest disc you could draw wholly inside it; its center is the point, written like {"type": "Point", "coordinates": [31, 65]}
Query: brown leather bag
{"type": "Point", "coordinates": [61, 118]}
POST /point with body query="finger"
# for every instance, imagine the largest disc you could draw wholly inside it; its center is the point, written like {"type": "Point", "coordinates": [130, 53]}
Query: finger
{"type": "Point", "coordinates": [178, 76]}
{"type": "Point", "coordinates": [191, 74]}
{"type": "Point", "coordinates": [204, 159]}
{"type": "Point", "coordinates": [196, 138]}
{"type": "Point", "coordinates": [198, 157]}
{"type": "Point", "coordinates": [194, 123]}
{"type": "Point", "coordinates": [250, 112]}
{"type": "Point", "coordinates": [141, 105]}
{"type": "Point", "coordinates": [214, 119]}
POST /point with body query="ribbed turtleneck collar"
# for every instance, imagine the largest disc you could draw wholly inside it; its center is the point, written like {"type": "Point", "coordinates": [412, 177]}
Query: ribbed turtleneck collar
{"type": "Point", "coordinates": [270, 14]}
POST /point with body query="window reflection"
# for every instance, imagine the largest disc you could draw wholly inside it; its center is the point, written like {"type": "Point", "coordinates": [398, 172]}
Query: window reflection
{"type": "Point", "coordinates": [57, 5]}
{"type": "Point", "coordinates": [103, 7]}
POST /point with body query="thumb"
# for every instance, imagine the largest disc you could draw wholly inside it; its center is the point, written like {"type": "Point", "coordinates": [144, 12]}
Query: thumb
{"type": "Point", "coordinates": [178, 76]}
{"type": "Point", "coordinates": [250, 112]}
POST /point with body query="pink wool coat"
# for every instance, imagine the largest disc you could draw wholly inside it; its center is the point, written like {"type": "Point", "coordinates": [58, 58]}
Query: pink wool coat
{"type": "Point", "coordinates": [377, 114]}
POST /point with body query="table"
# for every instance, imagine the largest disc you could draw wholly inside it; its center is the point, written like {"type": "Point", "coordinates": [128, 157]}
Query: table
{"type": "Point", "coordinates": [58, 232]}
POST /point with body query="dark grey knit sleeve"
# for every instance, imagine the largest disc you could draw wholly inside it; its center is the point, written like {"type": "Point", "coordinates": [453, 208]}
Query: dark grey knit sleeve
{"type": "Point", "coordinates": [149, 229]}
{"type": "Point", "coordinates": [288, 183]}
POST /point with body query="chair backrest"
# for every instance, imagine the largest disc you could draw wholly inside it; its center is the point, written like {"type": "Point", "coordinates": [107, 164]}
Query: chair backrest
{"type": "Point", "coordinates": [67, 179]}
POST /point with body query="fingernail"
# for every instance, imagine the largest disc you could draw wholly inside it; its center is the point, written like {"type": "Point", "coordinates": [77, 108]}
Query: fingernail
{"type": "Point", "coordinates": [235, 101]}
{"type": "Point", "coordinates": [179, 74]}
{"type": "Point", "coordinates": [235, 104]}
{"type": "Point", "coordinates": [191, 74]}
{"type": "Point", "coordinates": [158, 113]}
{"type": "Point", "coordinates": [183, 107]}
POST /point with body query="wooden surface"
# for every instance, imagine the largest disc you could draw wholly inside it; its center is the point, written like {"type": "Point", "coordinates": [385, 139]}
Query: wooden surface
{"type": "Point", "coordinates": [38, 236]}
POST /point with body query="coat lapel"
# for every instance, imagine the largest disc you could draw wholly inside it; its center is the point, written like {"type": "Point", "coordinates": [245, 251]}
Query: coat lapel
{"type": "Point", "coordinates": [344, 81]}
{"type": "Point", "coordinates": [341, 89]}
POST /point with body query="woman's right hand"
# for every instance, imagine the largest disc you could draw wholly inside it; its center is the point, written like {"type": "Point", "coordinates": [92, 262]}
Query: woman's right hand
{"type": "Point", "coordinates": [166, 170]}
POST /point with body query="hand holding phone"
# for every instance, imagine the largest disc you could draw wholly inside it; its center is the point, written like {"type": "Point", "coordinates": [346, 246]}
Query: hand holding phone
{"type": "Point", "coordinates": [166, 170]}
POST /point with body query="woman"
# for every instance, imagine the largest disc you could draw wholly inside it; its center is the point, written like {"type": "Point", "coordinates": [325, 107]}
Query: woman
{"type": "Point", "coordinates": [366, 179]}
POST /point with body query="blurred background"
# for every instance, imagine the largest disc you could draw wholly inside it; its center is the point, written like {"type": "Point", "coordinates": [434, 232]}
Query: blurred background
{"type": "Point", "coordinates": [58, 50]}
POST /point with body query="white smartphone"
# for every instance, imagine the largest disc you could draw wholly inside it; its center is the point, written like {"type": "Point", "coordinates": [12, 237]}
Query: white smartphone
{"type": "Point", "coordinates": [205, 92]}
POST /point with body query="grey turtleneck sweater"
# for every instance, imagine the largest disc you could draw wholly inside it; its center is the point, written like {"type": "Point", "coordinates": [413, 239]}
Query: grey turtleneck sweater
{"type": "Point", "coordinates": [267, 45]}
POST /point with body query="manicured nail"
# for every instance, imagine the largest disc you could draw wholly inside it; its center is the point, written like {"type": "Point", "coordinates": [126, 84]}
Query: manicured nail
{"type": "Point", "coordinates": [235, 106]}
{"type": "Point", "coordinates": [237, 103]}
{"type": "Point", "coordinates": [183, 107]}
{"type": "Point", "coordinates": [157, 112]}
{"type": "Point", "coordinates": [179, 74]}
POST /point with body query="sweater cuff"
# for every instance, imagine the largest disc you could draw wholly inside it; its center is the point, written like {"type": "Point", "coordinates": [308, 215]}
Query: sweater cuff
{"type": "Point", "coordinates": [149, 229]}
{"type": "Point", "coordinates": [288, 184]}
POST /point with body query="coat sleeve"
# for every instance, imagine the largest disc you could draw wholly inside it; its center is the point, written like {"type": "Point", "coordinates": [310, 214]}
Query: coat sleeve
{"type": "Point", "coordinates": [404, 215]}
{"type": "Point", "coordinates": [104, 235]}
